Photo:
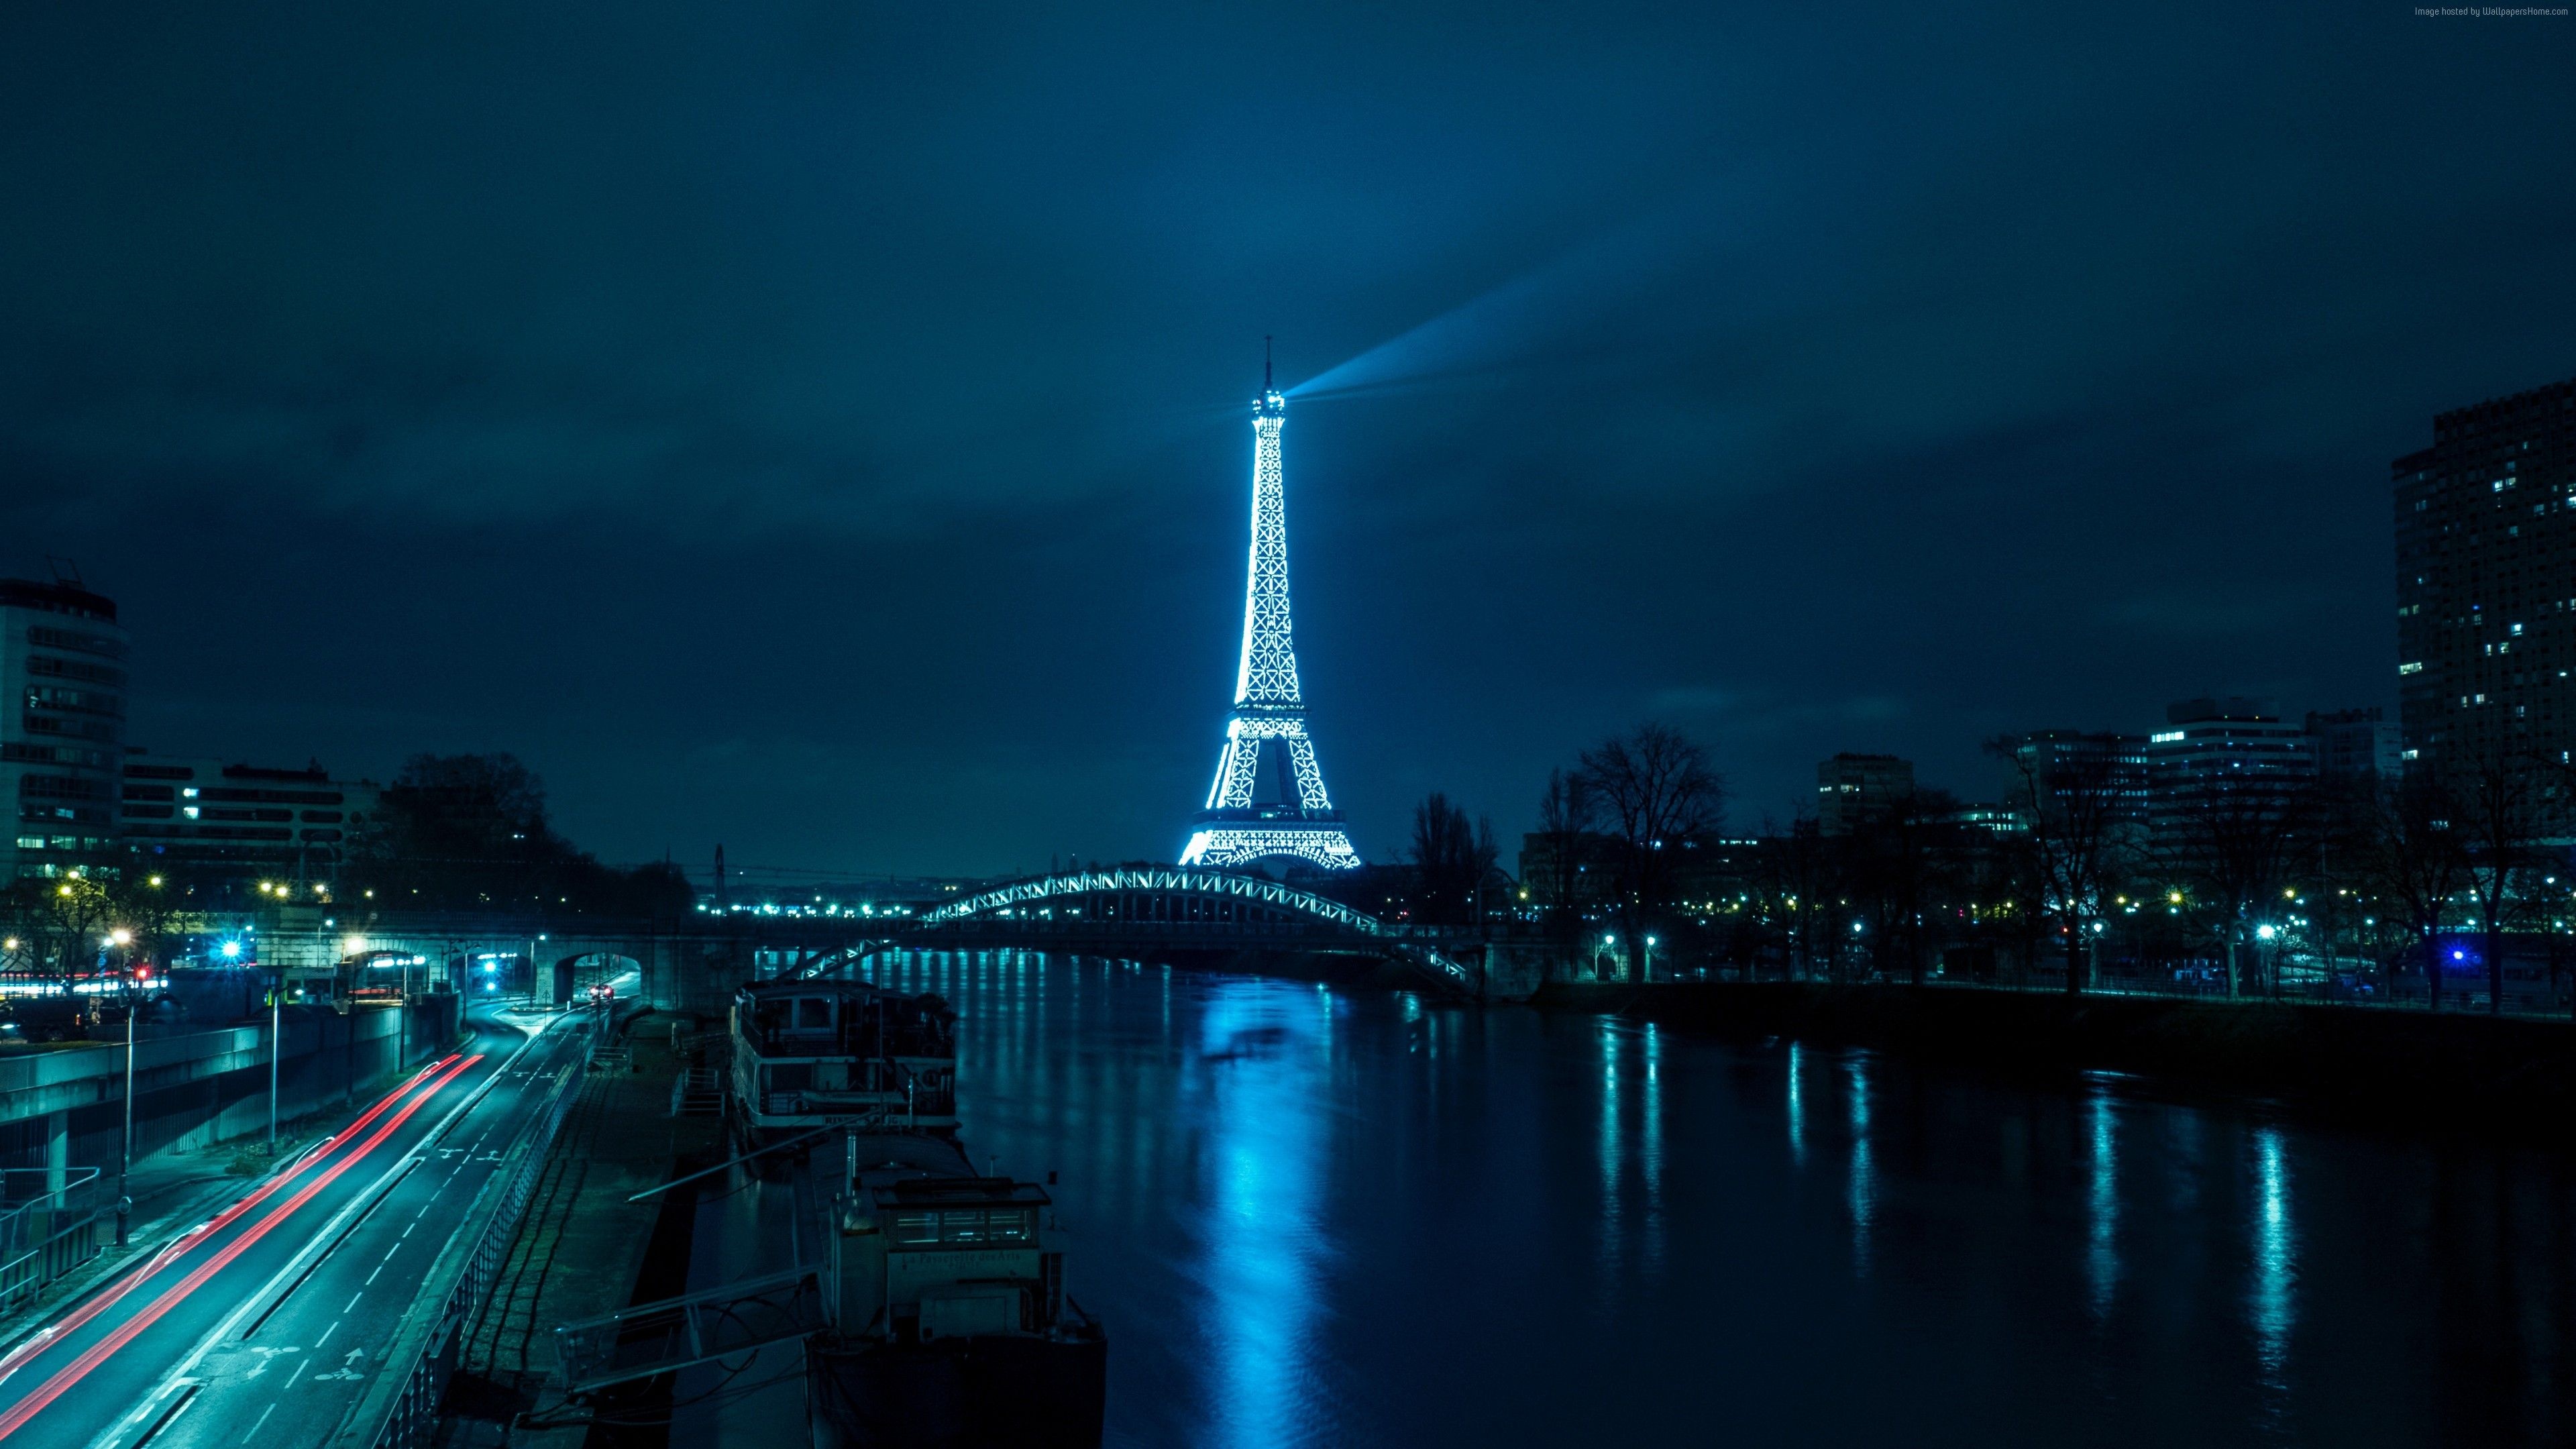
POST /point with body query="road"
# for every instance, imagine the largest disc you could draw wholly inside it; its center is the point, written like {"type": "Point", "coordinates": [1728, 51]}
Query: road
{"type": "Point", "coordinates": [236, 1333]}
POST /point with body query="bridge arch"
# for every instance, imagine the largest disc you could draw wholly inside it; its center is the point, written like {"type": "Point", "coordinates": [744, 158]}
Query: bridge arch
{"type": "Point", "coordinates": [1159, 913]}
{"type": "Point", "coordinates": [1133, 888]}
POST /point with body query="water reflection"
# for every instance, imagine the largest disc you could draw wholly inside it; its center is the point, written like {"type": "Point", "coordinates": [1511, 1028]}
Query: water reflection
{"type": "Point", "coordinates": [1650, 1148]}
{"type": "Point", "coordinates": [1864, 1167]}
{"type": "Point", "coordinates": [1797, 1112]}
{"type": "Point", "coordinates": [2102, 1206]}
{"type": "Point", "coordinates": [1310, 1217]}
{"type": "Point", "coordinates": [1607, 1152]}
{"type": "Point", "coordinates": [2274, 1304]}
{"type": "Point", "coordinates": [1258, 1079]}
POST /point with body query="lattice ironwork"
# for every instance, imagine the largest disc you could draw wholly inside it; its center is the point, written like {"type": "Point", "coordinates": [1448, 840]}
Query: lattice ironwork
{"type": "Point", "coordinates": [1269, 709]}
{"type": "Point", "coordinates": [1110, 882]}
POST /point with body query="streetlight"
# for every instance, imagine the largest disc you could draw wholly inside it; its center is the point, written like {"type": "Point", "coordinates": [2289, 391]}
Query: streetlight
{"type": "Point", "coordinates": [125, 1152]}
{"type": "Point", "coordinates": [1650, 957]}
{"type": "Point", "coordinates": [276, 995]}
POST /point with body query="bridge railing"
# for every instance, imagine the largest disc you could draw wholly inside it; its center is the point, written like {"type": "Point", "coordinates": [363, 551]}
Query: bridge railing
{"type": "Point", "coordinates": [50, 1227]}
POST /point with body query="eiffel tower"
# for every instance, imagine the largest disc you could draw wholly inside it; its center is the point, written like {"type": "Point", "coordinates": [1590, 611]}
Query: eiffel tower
{"type": "Point", "coordinates": [1269, 715]}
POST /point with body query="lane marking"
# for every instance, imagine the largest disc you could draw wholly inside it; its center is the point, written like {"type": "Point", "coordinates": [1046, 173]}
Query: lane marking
{"type": "Point", "coordinates": [72, 1373]}
{"type": "Point", "coordinates": [353, 1301]}
{"type": "Point", "coordinates": [326, 1335]}
{"type": "Point", "coordinates": [255, 1423]}
{"type": "Point", "coordinates": [371, 1279]}
{"type": "Point", "coordinates": [17, 1357]}
{"type": "Point", "coordinates": [291, 1378]}
{"type": "Point", "coordinates": [336, 1235]}
{"type": "Point", "coordinates": [169, 1416]}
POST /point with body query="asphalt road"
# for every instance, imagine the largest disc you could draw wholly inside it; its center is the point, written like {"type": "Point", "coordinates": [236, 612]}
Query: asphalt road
{"type": "Point", "coordinates": [235, 1334]}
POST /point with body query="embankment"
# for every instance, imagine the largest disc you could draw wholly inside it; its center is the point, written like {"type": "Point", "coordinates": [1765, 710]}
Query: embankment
{"type": "Point", "coordinates": [2383, 1066]}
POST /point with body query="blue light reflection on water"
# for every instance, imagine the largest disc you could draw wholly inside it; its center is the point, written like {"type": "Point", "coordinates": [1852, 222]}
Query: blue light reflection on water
{"type": "Point", "coordinates": [1309, 1219]}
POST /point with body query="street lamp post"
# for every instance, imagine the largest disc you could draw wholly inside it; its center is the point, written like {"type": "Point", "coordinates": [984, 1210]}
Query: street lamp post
{"type": "Point", "coordinates": [276, 995]}
{"type": "Point", "coordinates": [1649, 974]}
{"type": "Point", "coordinates": [125, 1154]}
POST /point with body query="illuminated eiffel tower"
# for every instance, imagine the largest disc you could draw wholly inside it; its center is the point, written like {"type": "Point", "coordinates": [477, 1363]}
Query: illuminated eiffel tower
{"type": "Point", "coordinates": [1269, 715]}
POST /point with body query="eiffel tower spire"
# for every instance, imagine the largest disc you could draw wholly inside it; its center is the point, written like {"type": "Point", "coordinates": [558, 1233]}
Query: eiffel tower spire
{"type": "Point", "coordinates": [1269, 714]}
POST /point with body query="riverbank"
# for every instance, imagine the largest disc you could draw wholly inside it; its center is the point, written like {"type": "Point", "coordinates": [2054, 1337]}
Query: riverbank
{"type": "Point", "coordinates": [2456, 1072]}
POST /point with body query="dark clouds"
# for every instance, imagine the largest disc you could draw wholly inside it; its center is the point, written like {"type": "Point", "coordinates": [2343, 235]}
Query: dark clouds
{"type": "Point", "coordinates": [821, 429]}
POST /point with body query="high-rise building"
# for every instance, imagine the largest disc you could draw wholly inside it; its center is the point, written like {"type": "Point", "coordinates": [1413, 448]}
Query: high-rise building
{"type": "Point", "coordinates": [295, 825]}
{"type": "Point", "coordinates": [2486, 581]}
{"type": "Point", "coordinates": [62, 734]}
{"type": "Point", "coordinates": [2215, 756]}
{"type": "Point", "coordinates": [1852, 788]}
{"type": "Point", "coordinates": [2356, 744]}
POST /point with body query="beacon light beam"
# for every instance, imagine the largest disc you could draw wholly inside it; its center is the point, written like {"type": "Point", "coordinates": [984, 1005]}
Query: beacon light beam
{"type": "Point", "coordinates": [1489, 335]}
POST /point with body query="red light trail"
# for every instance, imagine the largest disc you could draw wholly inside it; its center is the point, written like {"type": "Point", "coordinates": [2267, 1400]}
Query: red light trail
{"type": "Point", "coordinates": [70, 1374]}
{"type": "Point", "coordinates": [198, 1234]}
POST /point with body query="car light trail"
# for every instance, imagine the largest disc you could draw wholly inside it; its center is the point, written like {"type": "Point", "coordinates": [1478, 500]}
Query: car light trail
{"type": "Point", "coordinates": [70, 1374]}
{"type": "Point", "coordinates": [172, 1251]}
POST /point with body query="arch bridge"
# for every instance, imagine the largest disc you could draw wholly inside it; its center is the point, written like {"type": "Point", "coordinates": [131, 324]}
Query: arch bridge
{"type": "Point", "coordinates": [1167, 915]}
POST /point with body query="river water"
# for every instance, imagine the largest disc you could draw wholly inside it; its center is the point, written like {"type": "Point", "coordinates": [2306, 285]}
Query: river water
{"type": "Point", "coordinates": [1324, 1217]}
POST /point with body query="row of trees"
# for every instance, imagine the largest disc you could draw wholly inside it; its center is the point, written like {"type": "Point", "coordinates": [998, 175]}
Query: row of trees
{"type": "Point", "coordinates": [1652, 799]}
{"type": "Point", "coordinates": [2480, 847]}
{"type": "Point", "coordinates": [2368, 875]}
{"type": "Point", "coordinates": [470, 833]}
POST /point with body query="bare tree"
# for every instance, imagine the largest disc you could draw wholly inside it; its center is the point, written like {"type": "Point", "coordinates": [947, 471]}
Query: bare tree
{"type": "Point", "coordinates": [2417, 863]}
{"type": "Point", "coordinates": [1658, 795]}
{"type": "Point", "coordinates": [2078, 838]}
{"type": "Point", "coordinates": [2504, 802]}
{"type": "Point", "coordinates": [1796, 873]}
{"type": "Point", "coordinates": [1566, 816]}
{"type": "Point", "coordinates": [2238, 846]}
{"type": "Point", "coordinates": [1898, 860]}
{"type": "Point", "coordinates": [1451, 858]}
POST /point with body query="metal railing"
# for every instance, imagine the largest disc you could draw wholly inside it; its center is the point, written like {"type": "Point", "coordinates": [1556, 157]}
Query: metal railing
{"type": "Point", "coordinates": [405, 1415]}
{"type": "Point", "coordinates": [672, 1334]}
{"type": "Point", "coordinates": [46, 1233]}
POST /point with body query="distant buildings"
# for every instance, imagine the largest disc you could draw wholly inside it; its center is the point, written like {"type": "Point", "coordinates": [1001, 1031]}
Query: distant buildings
{"type": "Point", "coordinates": [2356, 745]}
{"type": "Point", "coordinates": [2486, 595]}
{"type": "Point", "coordinates": [82, 799]}
{"type": "Point", "coordinates": [62, 735]}
{"type": "Point", "coordinates": [2217, 756]}
{"type": "Point", "coordinates": [294, 824]}
{"type": "Point", "coordinates": [2058, 762]}
{"type": "Point", "coordinates": [1853, 788]}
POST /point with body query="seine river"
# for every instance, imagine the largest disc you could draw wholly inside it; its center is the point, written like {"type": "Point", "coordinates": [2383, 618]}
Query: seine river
{"type": "Point", "coordinates": [1323, 1217]}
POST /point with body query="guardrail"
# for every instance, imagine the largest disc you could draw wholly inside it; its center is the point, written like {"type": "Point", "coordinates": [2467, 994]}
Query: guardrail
{"type": "Point", "coordinates": [400, 1410]}
{"type": "Point", "coordinates": [44, 1235]}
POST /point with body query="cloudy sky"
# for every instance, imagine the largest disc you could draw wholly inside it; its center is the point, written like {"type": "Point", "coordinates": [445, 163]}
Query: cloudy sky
{"type": "Point", "coordinates": [822, 430]}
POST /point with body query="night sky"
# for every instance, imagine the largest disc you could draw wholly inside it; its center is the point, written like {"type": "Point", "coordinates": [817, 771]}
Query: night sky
{"type": "Point", "coordinates": [824, 431]}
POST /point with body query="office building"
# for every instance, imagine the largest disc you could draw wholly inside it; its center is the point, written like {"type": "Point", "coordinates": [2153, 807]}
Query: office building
{"type": "Point", "coordinates": [2356, 745]}
{"type": "Point", "coordinates": [2060, 762]}
{"type": "Point", "coordinates": [2486, 582]}
{"type": "Point", "coordinates": [62, 735]}
{"type": "Point", "coordinates": [1852, 788]}
{"type": "Point", "coordinates": [205, 816]}
{"type": "Point", "coordinates": [2216, 758]}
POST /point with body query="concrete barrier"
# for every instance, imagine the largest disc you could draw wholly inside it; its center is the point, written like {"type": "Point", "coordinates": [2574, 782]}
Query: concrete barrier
{"type": "Point", "coordinates": [62, 1108]}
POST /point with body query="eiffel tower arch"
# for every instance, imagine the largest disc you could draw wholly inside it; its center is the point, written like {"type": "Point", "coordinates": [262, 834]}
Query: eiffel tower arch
{"type": "Point", "coordinates": [1265, 732]}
